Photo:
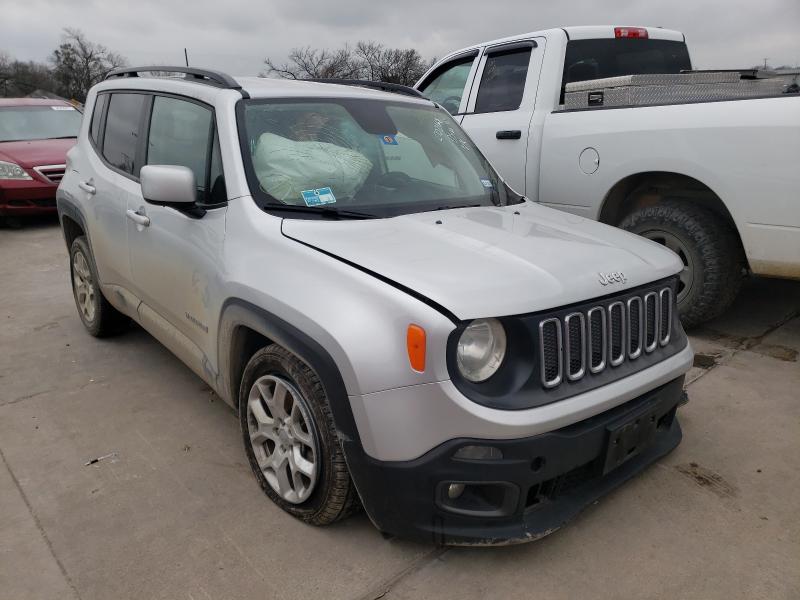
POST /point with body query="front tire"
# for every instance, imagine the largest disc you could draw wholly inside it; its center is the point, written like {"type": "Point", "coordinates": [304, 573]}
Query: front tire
{"type": "Point", "coordinates": [291, 440]}
{"type": "Point", "coordinates": [98, 316]}
{"type": "Point", "coordinates": [713, 260]}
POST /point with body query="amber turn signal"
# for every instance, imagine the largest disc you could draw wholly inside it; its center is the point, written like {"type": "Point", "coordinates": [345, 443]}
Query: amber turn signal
{"type": "Point", "coordinates": [415, 341]}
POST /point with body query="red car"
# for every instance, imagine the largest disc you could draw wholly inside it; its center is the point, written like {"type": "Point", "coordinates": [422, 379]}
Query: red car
{"type": "Point", "coordinates": [35, 136]}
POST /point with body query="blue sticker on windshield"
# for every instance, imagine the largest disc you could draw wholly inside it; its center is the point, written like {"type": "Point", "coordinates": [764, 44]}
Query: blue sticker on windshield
{"type": "Point", "coordinates": [487, 183]}
{"type": "Point", "coordinates": [318, 197]}
{"type": "Point", "coordinates": [388, 140]}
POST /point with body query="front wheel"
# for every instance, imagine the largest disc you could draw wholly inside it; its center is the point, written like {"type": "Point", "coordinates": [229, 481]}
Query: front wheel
{"type": "Point", "coordinates": [291, 440]}
{"type": "Point", "coordinates": [713, 261]}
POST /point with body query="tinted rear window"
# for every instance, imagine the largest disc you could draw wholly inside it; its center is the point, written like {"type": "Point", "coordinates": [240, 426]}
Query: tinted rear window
{"type": "Point", "coordinates": [122, 130]}
{"type": "Point", "coordinates": [596, 59]}
{"type": "Point", "coordinates": [503, 81]}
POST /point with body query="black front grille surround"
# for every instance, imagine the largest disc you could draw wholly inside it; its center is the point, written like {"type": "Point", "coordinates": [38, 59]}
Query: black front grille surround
{"type": "Point", "coordinates": [556, 354]}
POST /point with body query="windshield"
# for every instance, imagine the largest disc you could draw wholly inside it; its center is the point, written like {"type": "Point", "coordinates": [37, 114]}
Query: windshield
{"type": "Point", "coordinates": [20, 123]}
{"type": "Point", "coordinates": [367, 157]}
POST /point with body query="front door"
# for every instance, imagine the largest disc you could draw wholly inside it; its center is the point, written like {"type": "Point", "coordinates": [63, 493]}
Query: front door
{"type": "Point", "coordinates": [500, 107]}
{"type": "Point", "coordinates": [176, 256]}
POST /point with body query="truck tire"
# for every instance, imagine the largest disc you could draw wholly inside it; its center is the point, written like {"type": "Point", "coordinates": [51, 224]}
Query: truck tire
{"type": "Point", "coordinates": [291, 440]}
{"type": "Point", "coordinates": [98, 316]}
{"type": "Point", "coordinates": [709, 248]}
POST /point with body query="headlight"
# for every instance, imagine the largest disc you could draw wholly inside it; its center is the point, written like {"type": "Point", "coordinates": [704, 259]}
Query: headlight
{"type": "Point", "coordinates": [481, 349]}
{"type": "Point", "coordinates": [9, 170]}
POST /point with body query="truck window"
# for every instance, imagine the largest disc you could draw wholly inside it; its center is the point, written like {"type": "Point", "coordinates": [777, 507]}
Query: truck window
{"type": "Point", "coordinates": [122, 131]}
{"type": "Point", "coordinates": [612, 57]}
{"type": "Point", "coordinates": [446, 84]}
{"type": "Point", "coordinates": [503, 80]}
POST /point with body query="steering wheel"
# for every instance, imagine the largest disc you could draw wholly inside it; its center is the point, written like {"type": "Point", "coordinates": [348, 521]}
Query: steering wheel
{"type": "Point", "coordinates": [393, 179]}
{"type": "Point", "coordinates": [451, 104]}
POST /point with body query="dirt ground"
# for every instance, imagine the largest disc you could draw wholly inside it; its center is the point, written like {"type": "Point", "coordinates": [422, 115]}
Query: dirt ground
{"type": "Point", "coordinates": [174, 512]}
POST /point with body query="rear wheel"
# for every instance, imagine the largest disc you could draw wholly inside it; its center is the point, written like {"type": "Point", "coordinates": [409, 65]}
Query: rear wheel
{"type": "Point", "coordinates": [98, 316]}
{"type": "Point", "coordinates": [713, 261]}
{"type": "Point", "coordinates": [290, 438]}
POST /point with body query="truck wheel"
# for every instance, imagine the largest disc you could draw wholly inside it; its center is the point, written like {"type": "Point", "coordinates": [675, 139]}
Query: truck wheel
{"type": "Point", "coordinates": [713, 261]}
{"type": "Point", "coordinates": [98, 316]}
{"type": "Point", "coordinates": [290, 438]}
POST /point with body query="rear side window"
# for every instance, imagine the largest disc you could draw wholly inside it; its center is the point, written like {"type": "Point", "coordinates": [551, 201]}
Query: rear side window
{"type": "Point", "coordinates": [122, 131]}
{"type": "Point", "coordinates": [446, 85]}
{"type": "Point", "coordinates": [503, 80]}
{"type": "Point", "coordinates": [612, 57]}
{"type": "Point", "coordinates": [97, 115]}
{"type": "Point", "coordinates": [182, 133]}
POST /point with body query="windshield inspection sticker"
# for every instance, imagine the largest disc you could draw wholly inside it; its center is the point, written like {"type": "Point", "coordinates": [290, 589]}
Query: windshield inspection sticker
{"type": "Point", "coordinates": [487, 183]}
{"type": "Point", "coordinates": [388, 140]}
{"type": "Point", "coordinates": [318, 197]}
{"type": "Point", "coordinates": [62, 108]}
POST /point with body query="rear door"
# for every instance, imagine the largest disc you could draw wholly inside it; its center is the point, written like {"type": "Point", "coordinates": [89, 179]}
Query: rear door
{"type": "Point", "coordinates": [500, 106]}
{"type": "Point", "coordinates": [449, 83]}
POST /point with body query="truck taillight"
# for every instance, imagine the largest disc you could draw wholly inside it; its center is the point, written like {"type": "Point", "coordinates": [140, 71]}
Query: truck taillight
{"type": "Point", "coordinates": [630, 32]}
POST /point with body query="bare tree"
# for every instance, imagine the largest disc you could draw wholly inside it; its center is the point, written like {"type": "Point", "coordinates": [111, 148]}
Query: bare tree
{"type": "Point", "coordinates": [18, 78]}
{"type": "Point", "coordinates": [79, 63]}
{"type": "Point", "coordinates": [368, 60]}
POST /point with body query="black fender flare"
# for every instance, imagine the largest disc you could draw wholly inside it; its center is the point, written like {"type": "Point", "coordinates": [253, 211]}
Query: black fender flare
{"type": "Point", "coordinates": [238, 313]}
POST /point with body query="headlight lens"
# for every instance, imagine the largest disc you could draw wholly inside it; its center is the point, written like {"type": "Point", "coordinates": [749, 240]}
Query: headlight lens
{"type": "Point", "coordinates": [481, 349]}
{"type": "Point", "coordinates": [10, 170]}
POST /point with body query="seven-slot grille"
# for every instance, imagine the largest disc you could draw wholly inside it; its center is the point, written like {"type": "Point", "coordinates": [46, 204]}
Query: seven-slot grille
{"type": "Point", "coordinates": [52, 173]}
{"type": "Point", "coordinates": [603, 336]}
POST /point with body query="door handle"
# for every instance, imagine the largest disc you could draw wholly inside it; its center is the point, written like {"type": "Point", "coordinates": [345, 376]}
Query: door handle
{"type": "Point", "coordinates": [138, 217]}
{"type": "Point", "coordinates": [509, 134]}
{"type": "Point", "coordinates": [87, 187]}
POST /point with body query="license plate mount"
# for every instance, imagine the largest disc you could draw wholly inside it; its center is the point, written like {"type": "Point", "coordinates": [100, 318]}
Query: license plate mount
{"type": "Point", "coordinates": [629, 437]}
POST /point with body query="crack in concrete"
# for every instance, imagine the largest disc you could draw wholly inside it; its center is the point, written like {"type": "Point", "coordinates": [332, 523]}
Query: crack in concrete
{"type": "Point", "coordinates": [385, 586]}
{"type": "Point", "coordinates": [747, 343]}
{"type": "Point", "coordinates": [39, 526]}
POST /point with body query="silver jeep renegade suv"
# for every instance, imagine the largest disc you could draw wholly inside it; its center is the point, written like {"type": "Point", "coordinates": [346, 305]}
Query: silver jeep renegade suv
{"type": "Point", "coordinates": [395, 326]}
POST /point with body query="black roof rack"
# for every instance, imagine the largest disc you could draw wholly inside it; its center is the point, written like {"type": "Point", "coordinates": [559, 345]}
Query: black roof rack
{"type": "Point", "coordinates": [205, 76]}
{"type": "Point", "coordinates": [378, 85]}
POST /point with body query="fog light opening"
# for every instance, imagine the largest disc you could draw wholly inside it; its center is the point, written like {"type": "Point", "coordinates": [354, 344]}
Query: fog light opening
{"type": "Point", "coordinates": [454, 490]}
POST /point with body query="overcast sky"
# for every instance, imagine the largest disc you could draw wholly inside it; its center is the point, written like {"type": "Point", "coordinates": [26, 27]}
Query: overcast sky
{"type": "Point", "coordinates": [236, 35]}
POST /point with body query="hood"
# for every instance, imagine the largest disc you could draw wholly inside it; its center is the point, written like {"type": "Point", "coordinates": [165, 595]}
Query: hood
{"type": "Point", "coordinates": [34, 153]}
{"type": "Point", "coordinates": [491, 262]}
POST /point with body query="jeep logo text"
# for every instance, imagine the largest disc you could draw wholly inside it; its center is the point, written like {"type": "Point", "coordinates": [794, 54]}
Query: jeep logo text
{"type": "Point", "coordinates": [613, 277]}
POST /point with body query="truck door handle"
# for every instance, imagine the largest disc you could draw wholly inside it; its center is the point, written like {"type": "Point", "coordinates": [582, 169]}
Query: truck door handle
{"type": "Point", "coordinates": [87, 187]}
{"type": "Point", "coordinates": [138, 217]}
{"type": "Point", "coordinates": [509, 134]}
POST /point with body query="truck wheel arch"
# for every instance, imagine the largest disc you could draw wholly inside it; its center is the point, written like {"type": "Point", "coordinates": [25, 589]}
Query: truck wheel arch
{"type": "Point", "coordinates": [245, 328]}
{"type": "Point", "coordinates": [647, 188]}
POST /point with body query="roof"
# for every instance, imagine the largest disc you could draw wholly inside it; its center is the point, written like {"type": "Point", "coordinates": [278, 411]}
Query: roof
{"type": "Point", "coordinates": [32, 102]}
{"type": "Point", "coordinates": [263, 87]}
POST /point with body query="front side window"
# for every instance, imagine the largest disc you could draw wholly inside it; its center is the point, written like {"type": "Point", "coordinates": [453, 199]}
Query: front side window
{"type": "Point", "coordinates": [503, 80]}
{"type": "Point", "coordinates": [121, 136]}
{"type": "Point", "coordinates": [24, 123]}
{"type": "Point", "coordinates": [446, 85]}
{"type": "Point", "coordinates": [376, 157]}
{"type": "Point", "coordinates": [180, 134]}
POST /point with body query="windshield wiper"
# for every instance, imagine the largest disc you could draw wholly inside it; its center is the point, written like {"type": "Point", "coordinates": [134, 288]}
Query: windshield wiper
{"type": "Point", "coordinates": [451, 206]}
{"type": "Point", "coordinates": [327, 211]}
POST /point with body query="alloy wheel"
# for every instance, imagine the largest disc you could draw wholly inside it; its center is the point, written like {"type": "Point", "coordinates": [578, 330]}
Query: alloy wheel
{"type": "Point", "coordinates": [283, 438]}
{"type": "Point", "coordinates": [84, 286]}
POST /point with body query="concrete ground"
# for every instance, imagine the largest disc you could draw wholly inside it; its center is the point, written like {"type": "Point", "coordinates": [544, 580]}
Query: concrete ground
{"type": "Point", "coordinates": [174, 512]}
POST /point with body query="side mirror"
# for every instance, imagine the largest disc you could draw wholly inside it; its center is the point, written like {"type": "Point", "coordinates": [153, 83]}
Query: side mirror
{"type": "Point", "coordinates": [168, 184]}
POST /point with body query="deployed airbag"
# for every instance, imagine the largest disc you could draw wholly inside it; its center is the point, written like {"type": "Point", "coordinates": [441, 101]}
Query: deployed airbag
{"type": "Point", "coordinates": [285, 168]}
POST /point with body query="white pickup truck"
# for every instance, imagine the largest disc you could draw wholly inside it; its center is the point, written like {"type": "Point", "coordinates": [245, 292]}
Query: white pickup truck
{"type": "Point", "coordinates": [712, 176]}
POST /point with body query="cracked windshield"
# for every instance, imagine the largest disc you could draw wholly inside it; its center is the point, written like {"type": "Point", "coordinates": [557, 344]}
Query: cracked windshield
{"type": "Point", "coordinates": [365, 157]}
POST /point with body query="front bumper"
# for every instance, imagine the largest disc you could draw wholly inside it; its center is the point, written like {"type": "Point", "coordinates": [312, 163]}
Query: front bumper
{"type": "Point", "coordinates": [27, 197]}
{"type": "Point", "coordinates": [539, 484]}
